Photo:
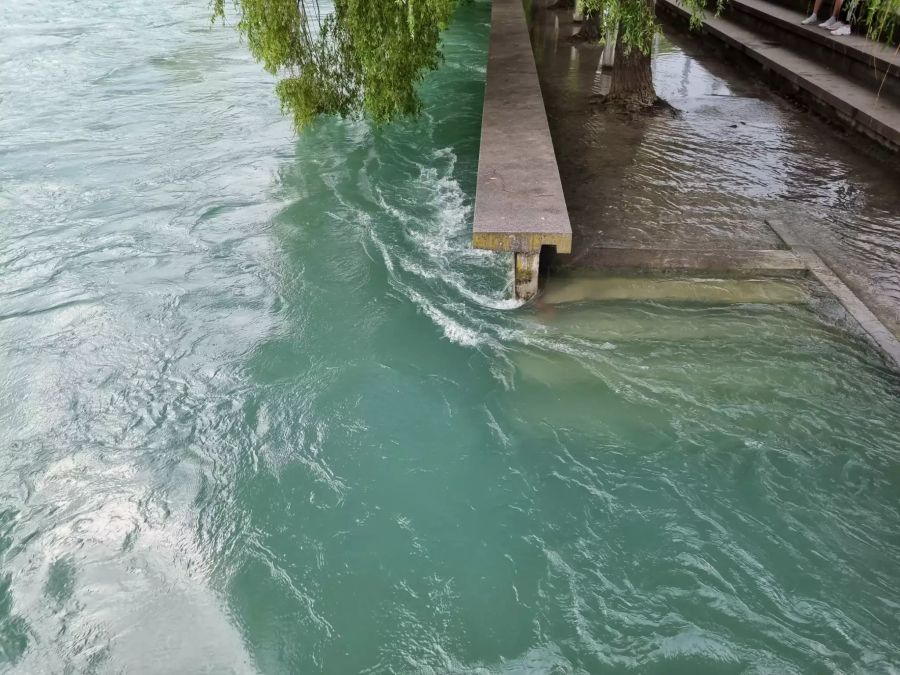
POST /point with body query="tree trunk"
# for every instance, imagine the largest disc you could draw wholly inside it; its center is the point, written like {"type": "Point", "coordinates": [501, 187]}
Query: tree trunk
{"type": "Point", "coordinates": [590, 28]}
{"type": "Point", "coordinates": [562, 4]}
{"type": "Point", "coordinates": [632, 80]}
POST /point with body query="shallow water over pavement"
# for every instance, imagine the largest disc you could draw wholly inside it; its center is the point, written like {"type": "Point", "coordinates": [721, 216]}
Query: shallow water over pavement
{"type": "Point", "coordinates": [708, 177]}
{"type": "Point", "coordinates": [262, 409]}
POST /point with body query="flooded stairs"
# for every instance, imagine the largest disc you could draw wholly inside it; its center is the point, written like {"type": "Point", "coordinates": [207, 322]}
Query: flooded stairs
{"type": "Point", "coordinates": [850, 80]}
{"type": "Point", "coordinates": [744, 274]}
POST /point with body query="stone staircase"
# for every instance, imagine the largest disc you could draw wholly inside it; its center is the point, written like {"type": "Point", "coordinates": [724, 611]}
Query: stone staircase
{"type": "Point", "coordinates": [850, 80]}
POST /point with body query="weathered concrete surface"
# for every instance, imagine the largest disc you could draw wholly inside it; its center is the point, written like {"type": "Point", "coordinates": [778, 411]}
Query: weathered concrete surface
{"type": "Point", "coordinates": [605, 287]}
{"type": "Point", "coordinates": [734, 262]}
{"type": "Point", "coordinates": [829, 92]}
{"type": "Point", "coordinates": [527, 274]}
{"type": "Point", "coordinates": [519, 203]}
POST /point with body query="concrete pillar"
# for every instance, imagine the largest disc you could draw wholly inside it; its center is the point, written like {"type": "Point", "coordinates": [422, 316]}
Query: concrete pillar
{"type": "Point", "coordinates": [608, 57]}
{"type": "Point", "coordinates": [527, 265]}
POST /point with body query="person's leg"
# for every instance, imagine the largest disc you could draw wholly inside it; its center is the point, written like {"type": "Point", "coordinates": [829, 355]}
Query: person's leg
{"type": "Point", "coordinates": [839, 27]}
{"type": "Point", "coordinates": [815, 14]}
{"type": "Point", "coordinates": [832, 21]}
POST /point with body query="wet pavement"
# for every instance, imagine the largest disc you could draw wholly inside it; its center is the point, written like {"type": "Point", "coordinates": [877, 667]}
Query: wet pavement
{"type": "Point", "coordinates": [709, 174]}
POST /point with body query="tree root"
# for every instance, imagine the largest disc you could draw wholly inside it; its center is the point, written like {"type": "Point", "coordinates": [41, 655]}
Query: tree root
{"type": "Point", "coordinates": [589, 30]}
{"type": "Point", "coordinates": [588, 35]}
{"type": "Point", "coordinates": [634, 106]}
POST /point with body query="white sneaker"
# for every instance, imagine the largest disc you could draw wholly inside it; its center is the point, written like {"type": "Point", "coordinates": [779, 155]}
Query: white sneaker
{"type": "Point", "coordinates": [841, 28]}
{"type": "Point", "coordinates": [828, 25]}
{"type": "Point", "coordinates": [812, 18]}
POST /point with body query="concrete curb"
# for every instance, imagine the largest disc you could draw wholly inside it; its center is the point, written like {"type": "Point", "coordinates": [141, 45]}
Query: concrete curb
{"type": "Point", "coordinates": [519, 202]}
{"type": "Point", "coordinates": [886, 342]}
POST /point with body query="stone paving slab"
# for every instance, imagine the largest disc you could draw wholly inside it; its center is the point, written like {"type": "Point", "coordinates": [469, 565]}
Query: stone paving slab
{"type": "Point", "coordinates": [607, 287]}
{"type": "Point", "coordinates": [751, 262]}
{"type": "Point", "coordinates": [519, 202]}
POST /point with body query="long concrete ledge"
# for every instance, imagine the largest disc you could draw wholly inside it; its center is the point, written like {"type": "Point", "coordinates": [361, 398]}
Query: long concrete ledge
{"type": "Point", "coordinates": [830, 93]}
{"type": "Point", "coordinates": [519, 202]}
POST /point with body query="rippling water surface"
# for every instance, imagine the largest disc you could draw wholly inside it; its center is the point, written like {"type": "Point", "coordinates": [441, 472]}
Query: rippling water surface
{"type": "Point", "coordinates": [262, 409]}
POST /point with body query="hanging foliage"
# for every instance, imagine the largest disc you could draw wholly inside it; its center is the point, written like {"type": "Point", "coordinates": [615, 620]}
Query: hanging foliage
{"type": "Point", "coordinates": [365, 57]}
{"type": "Point", "coordinates": [635, 20]}
{"type": "Point", "coordinates": [881, 17]}
{"type": "Point", "coordinates": [349, 58]}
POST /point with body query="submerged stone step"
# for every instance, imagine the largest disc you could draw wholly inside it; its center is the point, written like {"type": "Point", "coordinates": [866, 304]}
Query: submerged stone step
{"type": "Point", "coordinates": [587, 287]}
{"type": "Point", "coordinates": [743, 262]}
{"type": "Point", "coordinates": [873, 328]}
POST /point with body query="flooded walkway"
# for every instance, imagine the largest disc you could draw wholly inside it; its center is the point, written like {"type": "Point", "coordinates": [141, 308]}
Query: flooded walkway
{"type": "Point", "coordinates": [708, 177]}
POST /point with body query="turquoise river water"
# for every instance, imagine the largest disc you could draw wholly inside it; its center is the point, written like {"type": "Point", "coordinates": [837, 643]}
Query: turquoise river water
{"type": "Point", "coordinates": [262, 409]}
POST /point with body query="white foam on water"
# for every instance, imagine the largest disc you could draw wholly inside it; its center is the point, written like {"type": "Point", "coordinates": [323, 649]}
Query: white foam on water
{"type": "Point", "coordinates": [442, 255]}
{"type": "Point", "coordinates": [455, 279]}
{"type": "Point", "coordinates": [453, 330]}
